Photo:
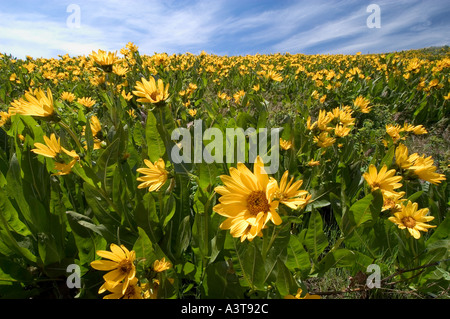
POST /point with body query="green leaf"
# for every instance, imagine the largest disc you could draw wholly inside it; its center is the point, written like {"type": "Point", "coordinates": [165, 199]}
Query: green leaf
{"type": "Point", "coordinates": [297, 258]}
{"type": "Point", "coordinates": [362, 212]}
{"type": "Point", "coordinates": [11, 217]}
{"type": "Point", "coordinates": [107, 162]}
{"type": "Point", "coordinates": [155, 143]}
{"type": "Point", "coordinates": [441, 232]}
{"type": "Point", "coordinates": [315, 239]}
{"type": "Point", "coordinates": [285, 281]}
{"type": "Point", "coordinates": [251, 264]}
{"type": "Point", "coordinates": [146, 216]}
{"type": "Point", "coordinates": [221, 282]}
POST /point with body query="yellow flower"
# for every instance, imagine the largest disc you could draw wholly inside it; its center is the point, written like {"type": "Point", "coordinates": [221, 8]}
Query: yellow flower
{"type": "Point", "coordinates": [154, 176]}
{"type": "Point", "coordinates": [424, 169]}
{"type": "Point", "coordinates": [238, 96]}
{"type": "Point", "coordinates": [151, 91]}
{"type": "Point", "coordinates": [362, 103]}
{"type": "Point", "coordinates": [323, 120]}
{"type": "Point", "coordinates": [419, 129]}
{"type": "Point", "coordinates": [272, 75]}
{"type": "Point", "coordinates": [412, 219]}
{"type": "Point", "coordinates": [313, 163]}
{"type": "Point", "coordinates": [324, 140]}
{"type": "Point", "coordinates": [394, 132]}
{"type": "Point", "coordinates": [392, 201]}
{"type": "Point", "coordinates": [120, 266]}
{"type": "Point", "coordinates": [160, 266]}
{"type": "Point", "coordinates": [63, 168]}
{"type": "Point", "coordinates": [383, 180]}
{"type": "Point", "coordinates": [86, 101]}
{"type": "Point", "coordinates": [247, 201]}
{"type": "Point", "coordinates": [341, 130]}
{"type": "Point", "coordinates": [299, 295]}
{"type": "Point", "coordinates": [290, 194]}
{"type": "Point", "coordinates": [132, 291]}
{"type": "Point", "coordinates": [35, 103]}
{"type": "Point", "coordinates": [126, 96]}
{"type": "Point", "coordinates": [4, 117]}
{"type": "Point", "coordinates": [51, 148]}
{"type": "Point", "coordinates": [68, 96]}
{"type": "Point", "coordinates": [285, 145]}
{"type": "Point", "coordinates": [402, 159]}
{"type": "Point", "coordinates": [223, 96]}
{"type": "Point", "coordinates": [104, 59]}
{"type": "Point", "coordinates": [192, 112]}
{"type": "Point", "coordinates": [119, 70]}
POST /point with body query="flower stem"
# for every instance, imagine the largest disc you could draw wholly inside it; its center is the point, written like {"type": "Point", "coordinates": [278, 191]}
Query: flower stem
{"type": "Point", "coordinates": [72, 134]}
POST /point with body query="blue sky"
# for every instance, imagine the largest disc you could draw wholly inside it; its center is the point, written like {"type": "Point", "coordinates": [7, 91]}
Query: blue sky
{"type": "Point", "coordinates": [223, 27]}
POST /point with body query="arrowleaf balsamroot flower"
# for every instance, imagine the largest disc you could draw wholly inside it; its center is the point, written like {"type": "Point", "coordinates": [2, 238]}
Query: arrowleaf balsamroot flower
{"type": "Point", "coordinates": [151, 91]}
{"type": "Point", "coordinates": [290, 194]}
{"type": "Point", "coordinates": [362, 103]}
{"type": "Point", "coordinates": [86, 101]}
{"type": "Point", "coordinates": [384, 180]}
{"type": "Point", "coordinates": [285, 145]}
{"type": "Point", "coordinates": [52, 148]}
{"type": "Point", "coordinates": [120, 267]}
{"type": "Point", "coordinates": [133, 290]}
{"type": "Point", "coordinates": [155, 175]}
{"type": "Point", "coordinates": [35, 103]}
{"type": "Point", "coordinates": [425, 170]}
{"type": "Point", "coordinates": [247, 201]}
{"type": "Point", "coordinates": [412, 219]}
{"type": "Point", "coordinates": [104, 59]}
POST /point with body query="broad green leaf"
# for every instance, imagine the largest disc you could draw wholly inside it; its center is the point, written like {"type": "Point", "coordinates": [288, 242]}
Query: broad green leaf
{"type": "Point", "coordinates": [315, 239]}
{"type": "Point", "coordinates": [155, 144]}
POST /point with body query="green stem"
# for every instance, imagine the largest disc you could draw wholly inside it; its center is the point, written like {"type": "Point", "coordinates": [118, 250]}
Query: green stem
{"type": "Point", "coordinates": [72, 134]}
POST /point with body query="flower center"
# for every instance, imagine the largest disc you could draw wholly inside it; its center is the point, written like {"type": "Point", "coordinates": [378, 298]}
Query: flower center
{"type": "Point", "coordinates": [409, 222]}
{"type": "Point", "coordinates": [257, 202]}
{"type": "Point", "coordinates": [125, 266]}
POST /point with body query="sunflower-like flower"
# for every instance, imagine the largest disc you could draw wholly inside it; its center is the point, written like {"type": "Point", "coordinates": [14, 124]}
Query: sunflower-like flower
{"type": "Point", "coordinates": [247, 201]}
{"type": "Point", "coordinates": [155, 175]}
{"type": "Point", "coordinates": [362, 103]}
{"type": "Point", "coordinates": [120, 267]}
{"type": "Point", "coordinates": [392, 201]}
{"type": "Point", "coordinates": [402, 159]}
{"type": "Point", "coordinates": [394, 132]}
{"type": "Point", "coordinates": [342, 130]}
{"type": "Point", "coordinates": [86, 101]}
{"type": "Point", "coordinates": [52, 148]}
{"type": "Point", "coordinates": [412, 219]}
{"type": "Point", "coordinates": [161, 265]}
{"type": "Point", "coordinates": [132, 291]}
{"type": "Point", "coordinates": [151, 91]}
{"type": "Point", "coordinates": [324, 140]}
{"type": "Point", "coordinates": [104, 59]}
{"type": "Point", "coordinates": [424, 168]}
{"type": "Point", "coordinates": [384, 180]}
{"type": "Point", "coordinates": [68, 96]}
{"type": "Point", "coordinates": [285, 145]}
{"type": "Point", "coordinates": [290, 194]}
{"type": "Point", "coordinates": [35, 103]}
